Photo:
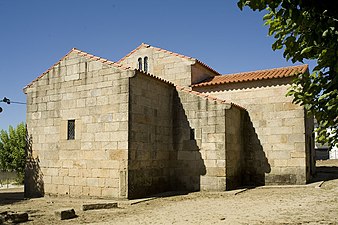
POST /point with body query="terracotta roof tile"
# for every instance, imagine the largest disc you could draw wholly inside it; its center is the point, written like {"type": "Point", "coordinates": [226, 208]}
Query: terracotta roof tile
{"type": "Point", "coordinates": [168, 52]}
{"type": "Point", "coordinates": [254, 75]}
{"type": "Point", "coordinates": [83, 54]}
{"type": "Point", "coordinates": [209, 97]}
{"type": "Point", "coordinates": [156, 77]}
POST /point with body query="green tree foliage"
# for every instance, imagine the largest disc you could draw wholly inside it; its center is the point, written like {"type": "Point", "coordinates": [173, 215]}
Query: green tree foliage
{"type": "Point", "coordinates": [12, 150]}
{"type": "Point", "coordinates": [308, 30]}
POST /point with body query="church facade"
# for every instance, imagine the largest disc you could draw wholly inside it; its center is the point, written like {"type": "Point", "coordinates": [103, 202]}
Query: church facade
{"type": "Point", "coordinates": [159, 121]}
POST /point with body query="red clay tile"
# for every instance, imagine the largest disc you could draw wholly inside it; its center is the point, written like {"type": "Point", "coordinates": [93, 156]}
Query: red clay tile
{"type": "Point", "coordinates": [254, 75]}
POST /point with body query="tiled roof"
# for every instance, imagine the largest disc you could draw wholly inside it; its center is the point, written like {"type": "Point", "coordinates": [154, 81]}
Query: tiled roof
{"type": "Point", "coordinates": [209, 97]}
{"type": "Point", "coordinates": [83, 54]}
{"type": "Point", "coordinates": [254, 75]}
{"type": "Point", "coordinates": [188, 90]}
{"type": "Point", "coordinates": [143, 45]}
{"type": "Point", "coordinates": [155, 77]}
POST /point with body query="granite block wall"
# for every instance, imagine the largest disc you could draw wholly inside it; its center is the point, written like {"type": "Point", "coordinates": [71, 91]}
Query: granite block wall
{"type": "Point", "coordinates": [202, 143]}
{"type": "Point", "coordinates": [95, 96]}
{"type": "Point", "coordinates": [170, 66]}
{"type": "Point", "coordinates": [275, 131]}
{"type": "Point", "coordinates": [151, 153]}
{"type": "Point", "coordinates": [179, 140]}
{"type": "Point", "coordinates": [162, 64]}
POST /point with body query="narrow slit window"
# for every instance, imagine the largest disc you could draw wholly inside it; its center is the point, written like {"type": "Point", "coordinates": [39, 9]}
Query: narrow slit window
{"type": "Point", "coordinates": [140, 63]}
{"type": "Point", "coordinates": [146, 64]}
{"type": "Point", "coordinates": [192, 134]}
{"type": "Point", "coordinates": [71, 130]}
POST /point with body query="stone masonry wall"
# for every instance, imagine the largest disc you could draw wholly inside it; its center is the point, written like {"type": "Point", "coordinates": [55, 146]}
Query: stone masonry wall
{"type": "Point", "coordinates": [150, 136]}
{"type": "Point", "coordinates": [169, 66]}
{"type": "Point", "coordinates": [200, 141]}
{"type": "Point", "coordinates": [162, 64]}
{"type": "Point", "coordinates": [200, 73]}
{"type": "Point", "coordinates": [275, 131]}
{"type": "Point", "coordinates": [95, 95]}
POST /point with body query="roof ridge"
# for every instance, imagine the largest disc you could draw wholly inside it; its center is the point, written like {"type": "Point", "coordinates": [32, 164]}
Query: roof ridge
{"type": "Point", "coordinates": [41, 75]}
{"type": "Point", "coordinates": [81, 53]}
{"type": "Point", "coordinates": [101, 59]}
{"type": "Point", "coordinates": [138, 47]}
{"type": "Point", "coordinates": [174, 53]}
{"type": "Point", "coordinates": [156, 77]}
{"type": "Point", "coordinates": [168, 52]}
{"type": "Point", "coordinates": [263, 70]}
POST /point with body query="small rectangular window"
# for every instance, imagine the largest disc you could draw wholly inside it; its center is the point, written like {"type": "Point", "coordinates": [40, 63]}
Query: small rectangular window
{"type": "Point", "coordinates": [71, 130]}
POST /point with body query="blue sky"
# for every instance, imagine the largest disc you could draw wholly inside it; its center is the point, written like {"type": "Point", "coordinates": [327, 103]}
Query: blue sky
{"type": "Point", "coordinates": [35, 34]}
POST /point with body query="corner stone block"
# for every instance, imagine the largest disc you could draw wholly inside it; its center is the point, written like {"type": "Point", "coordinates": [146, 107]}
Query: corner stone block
{"type": "Point", "coordinates": [65, 214]}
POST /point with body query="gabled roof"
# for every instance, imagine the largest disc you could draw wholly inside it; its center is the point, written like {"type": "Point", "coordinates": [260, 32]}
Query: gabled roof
{"type": "Point", "coordinates": [254, 75]}
{"type": "Point", "coordinates": [83, 54]}
{"type": "Point", "coordinates": [143, 45]}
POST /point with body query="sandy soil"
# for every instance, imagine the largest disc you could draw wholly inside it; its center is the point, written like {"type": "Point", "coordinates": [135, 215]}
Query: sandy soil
{"type": "Point", "coordinates": [315, 203]}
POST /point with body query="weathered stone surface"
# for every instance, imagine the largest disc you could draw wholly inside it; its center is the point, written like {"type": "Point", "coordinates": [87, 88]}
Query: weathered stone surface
{"type": "Point", "coordinates": [109, 205]}
{"type": "Point", "coordinates": [65, 214]}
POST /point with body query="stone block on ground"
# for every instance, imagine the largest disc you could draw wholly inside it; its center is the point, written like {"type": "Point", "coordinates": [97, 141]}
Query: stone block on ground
{"type": "Point", "coordinates": [65, 214]}
{"type": "Point", "coordinates": [17, 217]}
{"type": "Point", "coordinates": [109, 205]}
{"type": "Point", "coordinates": [3, 216]}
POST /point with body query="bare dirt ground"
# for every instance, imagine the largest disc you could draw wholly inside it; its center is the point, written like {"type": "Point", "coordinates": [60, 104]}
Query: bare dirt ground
{"type": "Point", "coordinates": [315, 203]}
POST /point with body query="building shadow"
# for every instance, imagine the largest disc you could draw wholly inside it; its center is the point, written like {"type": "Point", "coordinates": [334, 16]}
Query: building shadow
{"type": "Point", "coordinates": [155, 169]}
{"type": "Point", "coordinates": [325, 173]}
{"type": "Point", "coordinates": [256, 164]}
{"type": "Point", "coordinates": [9, 196]}
{"type": "Point", "coordinates": [34, 185]}
{"type": "Point", "coordinates": [188, 165]}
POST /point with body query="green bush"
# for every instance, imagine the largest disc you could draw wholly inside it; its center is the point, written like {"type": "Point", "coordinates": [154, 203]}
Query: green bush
{"type": "Point", "coordinates": [12, 150]}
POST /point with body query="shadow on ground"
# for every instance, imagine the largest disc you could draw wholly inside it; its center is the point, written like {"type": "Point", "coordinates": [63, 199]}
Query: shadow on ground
{"type": "Point", "coordinates": [169, 194]}
{"type": "Point", "coordinates": [325, 173]}
{"type": "Point", "coordinates": [9, 197]}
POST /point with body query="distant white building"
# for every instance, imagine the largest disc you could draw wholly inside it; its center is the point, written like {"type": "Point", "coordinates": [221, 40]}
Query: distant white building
{"type": "Point", "coordinates": [333, 153]}
{"type": "Point", "coordinates": [323, 151]}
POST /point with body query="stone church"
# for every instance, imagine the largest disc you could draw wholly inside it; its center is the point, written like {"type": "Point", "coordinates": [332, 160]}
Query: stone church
{"type": "Point", "coordinates": [159, 121]}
